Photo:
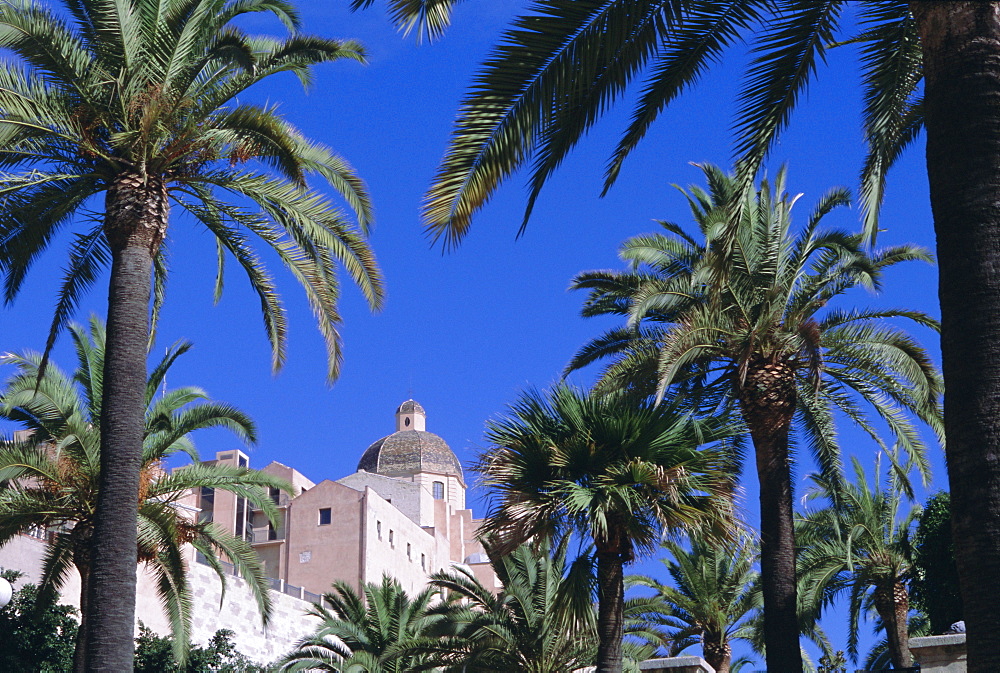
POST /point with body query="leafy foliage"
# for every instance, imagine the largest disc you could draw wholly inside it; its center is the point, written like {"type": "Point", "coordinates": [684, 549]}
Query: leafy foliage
{"type": "Point", "coordinates": [155, 654]}
{"type": "Point", "coordinates": [862, 547]}
{"type": "Point", "coordinates": [713, 597]}
{"type": "Point", "coordinates": [935, 586]}
{"type": "Point", "coordinates": [563, 64]}
{"type": "Point", "coordinates": [374, 632]}
{"type": "Point", "coordinates": [38, 634]}
{"type": "Point", "coordinates": [542, 620]}
{"type": "Point", "coordinates": [50, 478]}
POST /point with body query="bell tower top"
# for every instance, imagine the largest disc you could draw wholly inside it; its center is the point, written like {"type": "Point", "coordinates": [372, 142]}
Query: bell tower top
{"type": "Point", "coordinates": [411, 416]}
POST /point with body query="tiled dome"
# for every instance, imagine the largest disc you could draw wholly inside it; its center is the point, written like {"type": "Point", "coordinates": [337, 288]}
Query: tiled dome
{"type": "Point", "coordinates": [406, 452]}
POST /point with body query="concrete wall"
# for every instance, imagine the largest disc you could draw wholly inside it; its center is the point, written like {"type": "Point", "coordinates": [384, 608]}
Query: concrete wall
{"type": "Point", "coordinates": [320, 553]}
{"type": "Point", "coordinates": [406, 496]}
{"type": "Point", "coordinates": [940, 654]}
{"type": "Point", "coordinates": [238, 612]}
{"type": "Point", "coordinates": [396, 545]}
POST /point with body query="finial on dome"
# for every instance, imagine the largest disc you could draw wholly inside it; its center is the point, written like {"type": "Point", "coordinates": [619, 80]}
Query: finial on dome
{"type": "Point", "coordinates": [411, 416]}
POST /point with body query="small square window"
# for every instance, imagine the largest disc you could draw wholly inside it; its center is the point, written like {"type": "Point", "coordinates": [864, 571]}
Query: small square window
{"type": "Point", "coordinates": [325, 516]}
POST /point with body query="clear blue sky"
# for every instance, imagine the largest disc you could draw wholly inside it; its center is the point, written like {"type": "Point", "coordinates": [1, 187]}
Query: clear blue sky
{"type": "Point", "coordinates": [463, 332]}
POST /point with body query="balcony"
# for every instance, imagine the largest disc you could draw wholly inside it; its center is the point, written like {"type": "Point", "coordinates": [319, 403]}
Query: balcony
{"type": "Point", "coordinates": [265, 535]}
{"type": "Point", "coordinates": [280, 500]}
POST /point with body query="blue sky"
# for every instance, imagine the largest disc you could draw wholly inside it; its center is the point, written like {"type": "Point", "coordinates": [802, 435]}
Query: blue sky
{"type": "Point", "coordinates": [463, 332]}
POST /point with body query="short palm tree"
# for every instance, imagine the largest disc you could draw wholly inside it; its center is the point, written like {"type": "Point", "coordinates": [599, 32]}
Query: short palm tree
{"type": "Point", "coordinates": [542, 620]}
{"type": "Point", "coordinates": [737, 319]}
{"type": "Point", "coordinates": [619, 473]}
{"type": "Point", "coordinates": [134, 104]}
{"type": "Point", "coordinates": [51, 478]}
{"type": "Point", "coordinates": [862, 547]}
{"type": "Point", "coordinates": [372, 632]}
{"type": "Point", "coordinates": [714, 594]}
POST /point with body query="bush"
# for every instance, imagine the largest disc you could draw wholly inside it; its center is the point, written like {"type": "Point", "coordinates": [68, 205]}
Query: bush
{"type": "Point", "coordinates": [154, 654]}
{"type": "Point", "coordinates": [38, 635]}
{"type": "Point", "coordinates": [935, 588]}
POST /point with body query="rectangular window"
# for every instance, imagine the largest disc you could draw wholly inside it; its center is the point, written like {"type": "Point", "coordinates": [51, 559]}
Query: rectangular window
{"type": "Point", "coordinates": [243, 461]}
{"type": "Point", "coordinates": [391, 541]}
{"type": "Point", "coordinates": [275, 494]}
{"type": "Point", "coordinates": [409, 551]}
{"type": "Point", "coordinates": [325, 516]}
{"type": "Point", "coordinates": [423, 562]}
{"type": "Point", "coordinates": [438, 490]}
{"type": "Point", "coordinates": [378, 529]}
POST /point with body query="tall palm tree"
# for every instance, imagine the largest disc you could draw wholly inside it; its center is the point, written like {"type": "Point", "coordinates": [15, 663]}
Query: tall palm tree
{"type": "Point", "coordinates": [862, 547]}
{"type": "Point", "coordinates": [620, 473]}
{"type": "Point", "coordinates": [371, 632]}
{"type": "Point", "coordinates": [541, 621]}
{"type": "Point", "coordinates": [51, 479]}
{"type": "Point", "coordinates": [136, 101]}
{"type": "Point", "coordinates": [714, 594]}
{"type": "Point", "coordinates": [563, 64]}
{"type": "Point", "coordinates": [737, 319]}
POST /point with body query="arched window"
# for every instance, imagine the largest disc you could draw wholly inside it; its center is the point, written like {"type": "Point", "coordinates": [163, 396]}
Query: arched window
{"type": "Point", "coordinates": [438, 490]}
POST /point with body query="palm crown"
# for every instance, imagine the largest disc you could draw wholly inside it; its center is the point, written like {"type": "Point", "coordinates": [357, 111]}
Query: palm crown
{"type": "Point", "coordinates": [139, 101]}
{"type": "Point", "coordinates": [863, 548]}
{"type": "Point", "coordinates": [51, 476]}
{"type": "Point", "coordinates": [751, 301]}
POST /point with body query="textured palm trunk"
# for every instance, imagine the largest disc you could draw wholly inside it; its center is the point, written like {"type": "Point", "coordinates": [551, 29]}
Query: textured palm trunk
{"type": "Point", "coordinates": [80, 651]}
{"type": "Point", "coordinates": [135, 222]}
{"type": "Point", "coordinates": [892, 602]}
{"type": "Point", "coordinates": [961, 51]}
{"type": "Point", "coordinates": [767, 402]}
{"type": "Point", "coordinates": [717, 651]}
{"type": "Point", "coordinates": [610, 606]}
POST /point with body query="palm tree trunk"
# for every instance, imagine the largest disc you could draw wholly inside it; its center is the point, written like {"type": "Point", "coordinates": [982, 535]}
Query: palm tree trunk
{"type": "Point", "coordinates": [80, 652]}
{"type": "Point", "coordinates": [961, 51]}
{"type": "Point", "coordinates": [610, 608]}
{"type": "Point", "coordinates": [135, 221]}
{"type": "Point", "coordinates": [767, 401]}
{"type": "Point", "coordinates": [893, 605]}
{"type": "Point", "coordinates": [717, 651]}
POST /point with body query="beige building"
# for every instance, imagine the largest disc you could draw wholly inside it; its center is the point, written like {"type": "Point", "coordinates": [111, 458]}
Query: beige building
{"type": "Point", "coordinates": [403, 513]}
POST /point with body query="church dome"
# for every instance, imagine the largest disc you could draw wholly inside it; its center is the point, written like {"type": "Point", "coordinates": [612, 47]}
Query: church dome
{"type": "Point", "coordinates": [411, 449]}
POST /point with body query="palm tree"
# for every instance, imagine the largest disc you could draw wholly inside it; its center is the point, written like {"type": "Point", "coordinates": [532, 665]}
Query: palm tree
{"type": "Point", "coordinates": [137, 100]}
{"type": "Point", "coordinates": [713, 596]}
{"type": "Point", "coordinates": [541, 621]}
{"type": "Point", "coordinates": [735, 321]}
{"type": "Point", "coordinates": [619, 473]}
{"type": "Point", "coordinates": [862, 547]}
{"type": "Point", "coordinates": [51, 478]}
{"type": "Point", "coordinates": [563, 64]}
{"type": "Point", "coordinates": [370, 633]}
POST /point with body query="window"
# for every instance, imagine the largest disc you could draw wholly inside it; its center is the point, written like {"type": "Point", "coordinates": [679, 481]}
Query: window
{"type": "Point", "coordinates": [423, 562]}
{"type": "Point", "coordinates": [275, 494]}
{"type": "Point", "coordinates": [391, 541]}
{"type": "Point", "coordinates": [409, 551]}
{"type": "Point", "coordinates": [438, 490]}
{"type": "Point", "coordinates": [407, 422]}
{"type": "Point", "coordinates": [378, 529]}
{"type": "Point", "coordinates": [243, 461]}
{"type": "Point", "coordinates": [325, 516]}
